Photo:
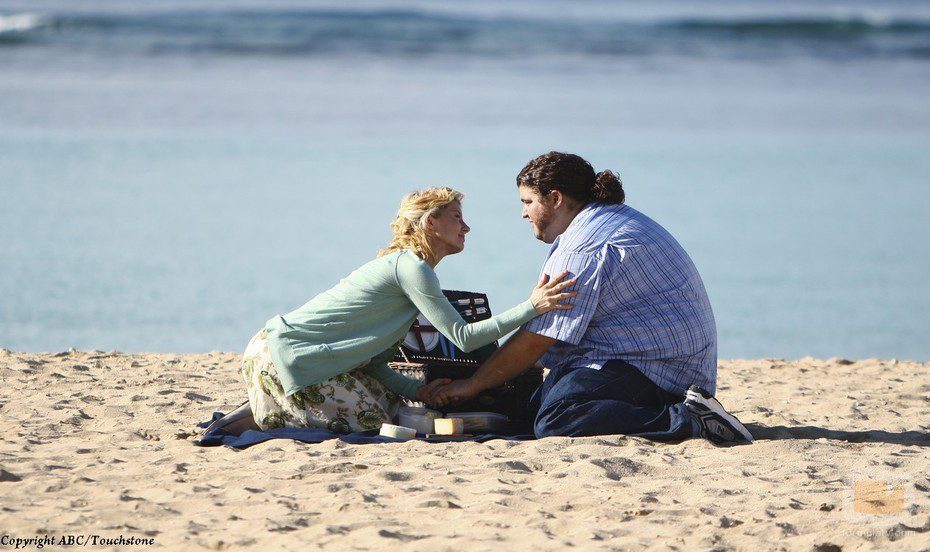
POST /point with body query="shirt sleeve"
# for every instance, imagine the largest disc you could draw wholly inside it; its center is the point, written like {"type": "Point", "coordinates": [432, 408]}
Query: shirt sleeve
{"type": "Point", "coordinates": [396, 383]}
{"type": "Point", "coordinates": [570, 325]}
{"type": "Point", "coordinates": [420, 284]}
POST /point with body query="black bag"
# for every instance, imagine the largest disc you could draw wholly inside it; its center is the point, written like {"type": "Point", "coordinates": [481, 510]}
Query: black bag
{"type": "Point", "coordinates": [424, 342]}
{"type": "Point", "coordinates": [426, 355]}
{"type": "Point", "coordinates": [510, 399]}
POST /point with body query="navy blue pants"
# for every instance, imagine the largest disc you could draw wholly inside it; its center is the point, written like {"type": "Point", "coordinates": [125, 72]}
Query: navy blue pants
{"type": "Point", "coordinates": [617, 399]}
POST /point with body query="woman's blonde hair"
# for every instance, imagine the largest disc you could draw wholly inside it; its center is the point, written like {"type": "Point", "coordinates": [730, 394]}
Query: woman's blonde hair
{"type": "Point", "coordinates": [409, 226]}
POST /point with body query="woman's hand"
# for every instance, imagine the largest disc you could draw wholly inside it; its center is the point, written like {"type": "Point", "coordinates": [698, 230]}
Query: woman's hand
{"type": "Point", "coordinates": [424, 392]}
{"type": "Point", "coordinates": [548, 294]}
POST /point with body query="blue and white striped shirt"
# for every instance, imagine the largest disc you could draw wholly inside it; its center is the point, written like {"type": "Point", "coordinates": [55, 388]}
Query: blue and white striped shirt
{"type": "Point", "coordinates": [640, 300]}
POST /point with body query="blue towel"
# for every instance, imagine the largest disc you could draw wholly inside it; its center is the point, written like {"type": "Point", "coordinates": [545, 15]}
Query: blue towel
{"type": "Point", "coordinates": [251, 437]}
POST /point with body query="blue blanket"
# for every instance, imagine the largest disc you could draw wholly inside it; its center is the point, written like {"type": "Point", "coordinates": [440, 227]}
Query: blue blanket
{"type": "Point", "coordinates": [251, 437]}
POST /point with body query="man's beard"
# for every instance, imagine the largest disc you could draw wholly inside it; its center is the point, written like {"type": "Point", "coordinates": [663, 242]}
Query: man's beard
{"type": "Point", "coordinates": [540, 226]}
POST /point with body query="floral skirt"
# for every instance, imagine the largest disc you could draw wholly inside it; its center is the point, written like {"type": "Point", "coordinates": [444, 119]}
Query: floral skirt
{"type": "Point", "coordinates": [349, 402]}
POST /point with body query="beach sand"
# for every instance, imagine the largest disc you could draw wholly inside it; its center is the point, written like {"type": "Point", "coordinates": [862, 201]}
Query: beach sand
{"type": "Point", "coordinates": [102, 444]}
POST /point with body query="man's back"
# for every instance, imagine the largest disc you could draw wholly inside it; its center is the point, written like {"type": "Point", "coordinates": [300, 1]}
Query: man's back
{"type": "Point", "coordinates": [641, 300]}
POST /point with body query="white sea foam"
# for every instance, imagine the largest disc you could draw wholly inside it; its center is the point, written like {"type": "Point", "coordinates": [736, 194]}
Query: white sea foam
{"type": "Point", "coordinates": [870, 17]}
{"type": "Point", "coordinates": [20, 22]}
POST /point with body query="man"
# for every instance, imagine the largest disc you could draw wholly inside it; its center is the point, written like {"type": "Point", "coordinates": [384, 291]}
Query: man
{"type": "Point", "coordinates": [637, 352]}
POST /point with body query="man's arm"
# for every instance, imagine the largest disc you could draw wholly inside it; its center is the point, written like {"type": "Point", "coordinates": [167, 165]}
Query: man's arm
{"type": "Point", "coordinates": [519, 353]}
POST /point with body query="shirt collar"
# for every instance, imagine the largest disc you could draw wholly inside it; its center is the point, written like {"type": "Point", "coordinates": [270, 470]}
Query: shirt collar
{"type": "Point", "coordinates": [583, 216]}
{"type": "Point", "coordinates": [577, 224]}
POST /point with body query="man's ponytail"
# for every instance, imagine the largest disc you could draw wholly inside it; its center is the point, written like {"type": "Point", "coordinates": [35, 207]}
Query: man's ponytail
{"type": "Point", "coordinates": [607, 188]}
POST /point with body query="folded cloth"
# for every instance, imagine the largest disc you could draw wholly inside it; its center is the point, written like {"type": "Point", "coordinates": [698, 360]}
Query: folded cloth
{"type": "Point", "coordinates": [218, 436]}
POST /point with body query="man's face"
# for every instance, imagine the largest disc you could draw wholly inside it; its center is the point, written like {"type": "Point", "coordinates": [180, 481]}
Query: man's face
{"type": "Point", "coordinates": [539, 211]}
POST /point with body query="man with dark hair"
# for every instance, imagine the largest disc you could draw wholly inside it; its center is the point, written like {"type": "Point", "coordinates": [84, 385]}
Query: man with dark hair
{"type": "Point", "coordinates": [637, 352]}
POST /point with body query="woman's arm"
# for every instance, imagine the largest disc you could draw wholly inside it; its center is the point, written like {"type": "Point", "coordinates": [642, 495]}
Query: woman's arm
{"type": "Point", "coordinates": [421, 286]}
{"type": "Point", "coordinates": [395, 382]}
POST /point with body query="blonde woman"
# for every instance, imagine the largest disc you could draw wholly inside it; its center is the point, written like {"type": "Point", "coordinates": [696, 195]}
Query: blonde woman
{"type": "Point", "coordinates": [324, 365]}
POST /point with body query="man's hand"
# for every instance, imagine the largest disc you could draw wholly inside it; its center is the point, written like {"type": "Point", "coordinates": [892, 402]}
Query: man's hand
{"type": "Point", "coordinates": [425, 391]}
{"type": "Point", "coordinates": [516, 355]}
{"type": "Point", "coordinates": [455, 392]}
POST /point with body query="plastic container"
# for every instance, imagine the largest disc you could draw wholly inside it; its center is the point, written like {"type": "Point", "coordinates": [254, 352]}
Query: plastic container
{"type": "Point", "coordinates": [481, 422]}
{"type": "Point", "coordinates": [420, 419]}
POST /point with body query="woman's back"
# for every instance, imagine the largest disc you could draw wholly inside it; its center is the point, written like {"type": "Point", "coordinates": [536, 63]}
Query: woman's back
{"type": "Point", "coordinates": [370, 296]}
{"type": "Point", "coordinates": [364, 314]}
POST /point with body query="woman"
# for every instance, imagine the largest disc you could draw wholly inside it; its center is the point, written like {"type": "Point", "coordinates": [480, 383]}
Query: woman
{"type": "Point", "coordinates": [324, 365]}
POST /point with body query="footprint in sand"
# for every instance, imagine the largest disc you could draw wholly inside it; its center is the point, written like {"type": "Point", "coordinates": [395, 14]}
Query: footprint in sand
{"type": "Point", "coordinates": [399, 536]}
{"type": "Point", "coordinates": [8, 477]}
{"type": "Point", "coordinates": [198, 397]}
{"type": "Point", "coordinates": [439, 504]}
{"type": "Point", "coordinates": [617, 467]}
{"type": "Point", "coordinates": [513, 465]}
{"type": "Point", "coordinates": [726, 522]}
{"type": "Point", "coordinates": [397, 476]}
{"type": "Point", "coordinates": [142, 435]}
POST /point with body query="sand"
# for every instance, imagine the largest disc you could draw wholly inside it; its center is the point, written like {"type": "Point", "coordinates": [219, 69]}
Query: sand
{"type": "Point", "coordinates": [102, 444]}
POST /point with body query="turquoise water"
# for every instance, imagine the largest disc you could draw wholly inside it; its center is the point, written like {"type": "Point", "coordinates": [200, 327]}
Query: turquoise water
{"type": "Point", "coordinates": [151, 174]}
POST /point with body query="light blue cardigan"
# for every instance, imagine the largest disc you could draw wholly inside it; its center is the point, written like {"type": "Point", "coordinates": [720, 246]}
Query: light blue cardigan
{"type": "Point", "coordinates": [365, 315]}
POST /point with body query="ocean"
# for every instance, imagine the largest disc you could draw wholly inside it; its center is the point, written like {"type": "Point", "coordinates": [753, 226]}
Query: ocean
{"type": "Point", "coordinates": [173, 174]}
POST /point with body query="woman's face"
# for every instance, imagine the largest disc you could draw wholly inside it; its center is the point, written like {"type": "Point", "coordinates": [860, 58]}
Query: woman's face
{"type": "Point", "coordinates": [449, 229]}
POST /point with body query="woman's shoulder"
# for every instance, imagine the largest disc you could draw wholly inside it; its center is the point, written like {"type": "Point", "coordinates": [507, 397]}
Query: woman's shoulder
{"type": "Point", "coordinates": [407, 256]}
{"type": "Point", "coordinates": [401, 264]}
{"type": "Point", "coordinates": [409, 260]}
{"type": "Point", "coordinates": [411, 268]}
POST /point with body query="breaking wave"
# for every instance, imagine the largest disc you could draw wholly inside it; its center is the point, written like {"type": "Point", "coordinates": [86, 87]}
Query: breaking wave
{"type": "Point", "coordinates": [422, 33]}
